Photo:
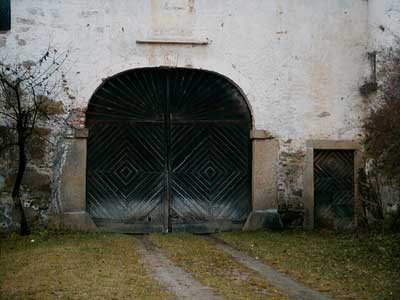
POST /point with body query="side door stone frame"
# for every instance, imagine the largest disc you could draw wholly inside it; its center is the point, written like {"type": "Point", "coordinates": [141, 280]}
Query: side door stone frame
{"type": "Point", "coordinates": [308, 180]}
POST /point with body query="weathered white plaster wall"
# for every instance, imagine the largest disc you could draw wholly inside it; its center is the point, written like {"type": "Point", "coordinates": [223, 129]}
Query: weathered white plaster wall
{"type": "Point", "coordinates": [299, 62]}
{"type": "Point", "coordinates": [384, 23]}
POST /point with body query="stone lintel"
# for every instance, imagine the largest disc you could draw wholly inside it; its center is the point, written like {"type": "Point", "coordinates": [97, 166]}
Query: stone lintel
{"type": "Point", "coordinates": [173, 41]}
{"type": "Point", "coordinates": [334, 144]}
{"type": "Point", "coordinates": [256, 134]}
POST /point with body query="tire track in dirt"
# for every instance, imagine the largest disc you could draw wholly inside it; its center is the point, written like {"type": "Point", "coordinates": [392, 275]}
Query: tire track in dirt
{"type": "Point", "coordinates": [172, 277]}
{"type": "Point", "coordinates": [294, 289]}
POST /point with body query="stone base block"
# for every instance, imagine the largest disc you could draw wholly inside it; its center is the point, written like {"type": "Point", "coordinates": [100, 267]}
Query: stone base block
{"type": "Point", "coordinates": [262, 219]}
{"type": "Point", "coordinates": [73, 220]}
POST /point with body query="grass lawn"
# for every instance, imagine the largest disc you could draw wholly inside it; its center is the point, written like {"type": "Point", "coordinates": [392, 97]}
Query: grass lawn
{"type": "Point", "coordinates": [74, 266]}
{"type": "Point", "coordinates": [346, 266]}
{"type": "Point", "coordinates": [214, 268]}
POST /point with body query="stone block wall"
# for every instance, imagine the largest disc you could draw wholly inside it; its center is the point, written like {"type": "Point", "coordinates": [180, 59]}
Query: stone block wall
{"type": "Point", "coordinates": [290, 183]}
{"type": "Point", "coordinates": [36, 189]}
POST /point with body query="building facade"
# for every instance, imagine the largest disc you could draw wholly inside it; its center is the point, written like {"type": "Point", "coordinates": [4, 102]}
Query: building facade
{"type": "Point", "coordinates": [287, 73]}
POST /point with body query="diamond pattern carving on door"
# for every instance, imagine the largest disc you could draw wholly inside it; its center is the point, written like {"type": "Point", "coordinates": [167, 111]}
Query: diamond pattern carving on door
{"type": "Point", "coordinates": [209, 173]}
{"type": "Point", "coordinates": [126, 182]}
{"type": "Point", "coordinates": [334, 188]}
{"type": "Point", "coordinates": [168, 149]}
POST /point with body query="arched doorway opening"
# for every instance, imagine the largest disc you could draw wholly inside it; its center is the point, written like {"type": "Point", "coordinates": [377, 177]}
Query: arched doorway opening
{"type": "Point", "coordinates": [168, 150]}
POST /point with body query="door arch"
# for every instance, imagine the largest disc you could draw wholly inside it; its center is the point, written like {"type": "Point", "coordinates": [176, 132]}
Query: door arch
{"type": "Point", "coordinates": [168, 150]}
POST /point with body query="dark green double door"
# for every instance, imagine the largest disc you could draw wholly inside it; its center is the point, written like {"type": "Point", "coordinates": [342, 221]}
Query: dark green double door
{"type": "Point", "coordinates": [334, 188]}
{"type": "Point", "coordinates": [168, 150]}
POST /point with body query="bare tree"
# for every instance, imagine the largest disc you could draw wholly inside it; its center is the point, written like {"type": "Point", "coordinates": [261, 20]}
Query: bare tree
{"type": "Point", "coordinates": [26, 93]}
{"type": "Point", "coordinates": [382, 135]}
{"type": "Point", "coordinates": [382, 125]}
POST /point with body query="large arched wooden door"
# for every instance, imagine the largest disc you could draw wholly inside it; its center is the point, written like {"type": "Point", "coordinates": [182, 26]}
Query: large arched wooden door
{"type": "Point", "coordinates": [168, 150]}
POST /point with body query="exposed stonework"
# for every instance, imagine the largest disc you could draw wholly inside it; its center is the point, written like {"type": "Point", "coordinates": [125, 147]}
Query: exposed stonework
{"type": "Point", "coordinates": [290, 183]}
{"type": "Point", "coordinates": [37, 188]}
{"type": "Point", "coordinates": [35, 194]}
